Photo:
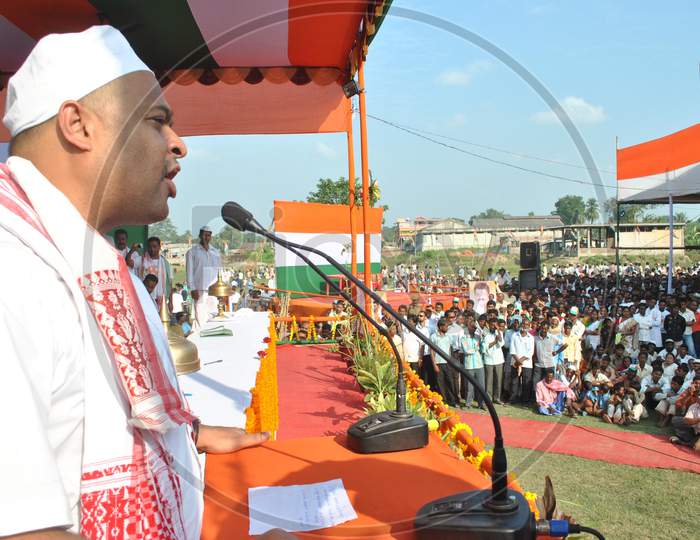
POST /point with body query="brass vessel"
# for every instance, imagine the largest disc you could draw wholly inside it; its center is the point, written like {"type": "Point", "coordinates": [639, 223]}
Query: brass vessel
{"type": "Point", "coordinates": [221, 290]}
{"type": "Point", "coordinates": [184, 352]}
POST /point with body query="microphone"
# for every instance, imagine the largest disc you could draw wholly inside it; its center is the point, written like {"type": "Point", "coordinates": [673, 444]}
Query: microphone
{"type": "Point", "coordinates": [387, 431]}
{"type": "Point", "coordinates": [471, 514]}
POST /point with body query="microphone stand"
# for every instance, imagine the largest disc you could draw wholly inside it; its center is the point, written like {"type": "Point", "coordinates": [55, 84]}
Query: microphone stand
{"type": "Point", "coordinates": [498, 513]}
{"type": "Point", "coordinates": [387, 431]}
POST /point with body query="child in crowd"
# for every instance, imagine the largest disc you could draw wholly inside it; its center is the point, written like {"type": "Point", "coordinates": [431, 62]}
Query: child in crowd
{"type": "Point", "coordinates": [595, 400]}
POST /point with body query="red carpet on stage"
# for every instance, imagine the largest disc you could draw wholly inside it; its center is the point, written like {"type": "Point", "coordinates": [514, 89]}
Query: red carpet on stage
{"type": "Point", "coordinates": [317, 396]}
{"type": "Point", "coordinates": [566, 437]}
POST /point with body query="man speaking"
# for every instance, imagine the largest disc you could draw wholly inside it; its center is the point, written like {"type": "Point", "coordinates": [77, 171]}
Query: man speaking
{"type": "Point", "coordinates": [99, 440]}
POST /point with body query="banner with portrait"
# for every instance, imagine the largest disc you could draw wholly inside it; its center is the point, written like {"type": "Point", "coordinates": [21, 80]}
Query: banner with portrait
{"type": "Point", "coordinates": [481, 292]}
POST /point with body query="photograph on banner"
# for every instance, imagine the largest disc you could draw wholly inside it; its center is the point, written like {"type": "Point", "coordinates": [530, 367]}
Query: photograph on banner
{"type": "Point", "coordinates": [481, 292]}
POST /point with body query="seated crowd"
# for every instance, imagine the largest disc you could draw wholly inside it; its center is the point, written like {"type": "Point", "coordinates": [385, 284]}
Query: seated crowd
{"type": "Point", "coordinates": [576, 346]}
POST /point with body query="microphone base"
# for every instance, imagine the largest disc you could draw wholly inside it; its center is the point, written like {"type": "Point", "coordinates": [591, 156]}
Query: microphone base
{"type": "Point", "coordinates": [469, 515]}
{"type": "Point", "coordinates": [387, 432]}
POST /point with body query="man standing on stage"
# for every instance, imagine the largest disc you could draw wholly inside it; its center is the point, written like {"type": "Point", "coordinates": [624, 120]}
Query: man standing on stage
{"type": "Point", "coordinates": [100, 440]}
{"type": "Point", "coordinates": [202, 263]}
{"type": "Point", "coordinates": [153, 262]}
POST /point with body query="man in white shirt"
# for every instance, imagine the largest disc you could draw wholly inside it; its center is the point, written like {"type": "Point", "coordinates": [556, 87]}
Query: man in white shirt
{"type": "Point", "coordinates": [687, 427]}
{"type": "Point", "coordinates": [657, 323]}
{"type": "Point", "coordinates": [177, 300]}
{"type": "Point", "coordinates": [234, 299]}
{"type": "Point", "coordinates": [654, 387]}
{"type": "Point", "coordinates": [130, 254]}
{"type": "Point", "coordinates": [493, 360]}
{"type": "Point", "coordinates": [645, 323]}
{"type": "Point", "coordinates": [522, 349]}
{"type": "Point", "coordinates": [202, 263]}
{"type": "Point", "coordinates": [547, 348]}
{"type": "Point", "coordinates": [688, 313]}
{"type": "Point", "coordinates": [92, 408]}
{"type": "Point", "coordinates": [153, 262]}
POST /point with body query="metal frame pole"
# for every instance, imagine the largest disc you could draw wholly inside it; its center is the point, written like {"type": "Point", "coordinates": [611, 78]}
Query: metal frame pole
{"type": "Point", "coordinates": [365, 183]}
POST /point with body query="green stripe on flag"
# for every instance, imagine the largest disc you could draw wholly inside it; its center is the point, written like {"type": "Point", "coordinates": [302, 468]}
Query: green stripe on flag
{"type": "Point", "coordinates": [163, 33]}
{"type": "Point", "coordinates": [303, 278]}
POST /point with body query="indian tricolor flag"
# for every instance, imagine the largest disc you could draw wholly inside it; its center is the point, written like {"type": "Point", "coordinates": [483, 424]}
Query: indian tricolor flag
{"type": "Point", "coordinates": [325, 227]}
{"type": "Point", "coordinates": [654, 170]}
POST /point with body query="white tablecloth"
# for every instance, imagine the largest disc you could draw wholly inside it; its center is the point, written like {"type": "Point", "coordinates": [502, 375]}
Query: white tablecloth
{"type": "Point", "coordinates": [220, 391]}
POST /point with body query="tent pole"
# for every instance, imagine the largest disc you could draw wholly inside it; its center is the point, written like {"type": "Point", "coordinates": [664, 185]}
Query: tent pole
{"type": "Point", "coordinates": [365, 183]}
{"type": "Point", "coordinates": [617, 219]}
{"type": "Point", "coordinates": [669, 284]}
{"type": "Point", "coordinates": [617, 246]}
{"type": "Point", "coordinates": [351, 200]}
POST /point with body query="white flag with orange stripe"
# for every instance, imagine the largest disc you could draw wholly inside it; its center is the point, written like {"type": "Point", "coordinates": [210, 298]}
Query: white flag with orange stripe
{"type": "Point", "coordinates": [325, 227]}
{"type": "Point", "coordinates": [654, 170]}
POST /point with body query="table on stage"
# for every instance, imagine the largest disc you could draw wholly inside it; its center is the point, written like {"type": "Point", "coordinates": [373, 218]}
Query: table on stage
{"type": "Point", "coordinates": [220, 391]}
{"type": "Point", "coordinates": [386, 490]}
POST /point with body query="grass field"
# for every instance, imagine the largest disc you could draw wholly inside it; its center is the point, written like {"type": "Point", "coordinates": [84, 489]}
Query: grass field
{"type": "Point", "coordinates": [645, 425]}
{"type": "Point", "coordinates": [621, 501]}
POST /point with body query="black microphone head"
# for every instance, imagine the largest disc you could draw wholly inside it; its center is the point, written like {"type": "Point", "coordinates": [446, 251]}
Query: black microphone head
{"type": "Point", "coordinates": [236, 216]}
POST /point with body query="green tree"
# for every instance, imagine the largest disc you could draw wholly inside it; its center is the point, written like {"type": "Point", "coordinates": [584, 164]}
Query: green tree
{"type": "Point", "coordinates": [591, 213]}
{"type": "Point", "coordinates": [388, 235]}
{"type": "Point", "coordinates": [629, 213]}
{"type": "Point", "coordinates": [489, 213]}
{"type": "Point", "coordinates": [329, 191]}
{"type": "Point", "coordinates": [679, 217]}
{"type": "Point", "coordinates": [571, 209]}
{"type": "Point", "coordinates": [165, 230]}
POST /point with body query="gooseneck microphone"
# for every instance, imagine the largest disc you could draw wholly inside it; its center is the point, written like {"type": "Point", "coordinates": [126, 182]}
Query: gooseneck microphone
{"type": "Point", "coordinates": [387, 431]}
{"type": "Point", "coordinates": [498, 513]}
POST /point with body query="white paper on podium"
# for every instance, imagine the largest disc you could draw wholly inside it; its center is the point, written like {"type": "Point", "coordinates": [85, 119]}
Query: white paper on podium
{"type": "Point", "coordinates": [305, 507]}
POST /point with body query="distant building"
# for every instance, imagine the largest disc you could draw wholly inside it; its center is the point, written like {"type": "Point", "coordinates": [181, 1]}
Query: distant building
{"type": "Point", "coordinates": [518, 223]}
{"type": "Point", "coordinates": [405, 229]}
{"type": "Point", "coordinates": [485, 233]}
{"type": "Point", "coordinates": [599, 239]}
{"type": "Point", "coordinates": [555, 238]}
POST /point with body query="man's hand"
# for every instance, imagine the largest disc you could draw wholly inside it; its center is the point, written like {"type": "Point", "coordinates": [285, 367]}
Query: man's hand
{"type": "Point", "coordinates": [224, 440]}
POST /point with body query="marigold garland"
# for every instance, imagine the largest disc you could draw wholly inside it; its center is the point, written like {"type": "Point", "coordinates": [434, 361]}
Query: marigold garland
{"type": "Point", "coordinates": [459, 435]}
{"type": "Point", "coordinates": [263, 412]}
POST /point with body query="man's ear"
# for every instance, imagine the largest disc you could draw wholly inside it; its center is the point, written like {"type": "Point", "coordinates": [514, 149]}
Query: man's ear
{"type": "Point", "coordinates": [76, 125]}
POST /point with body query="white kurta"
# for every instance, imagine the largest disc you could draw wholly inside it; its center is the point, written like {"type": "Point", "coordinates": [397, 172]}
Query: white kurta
{"type": "Point", "coordinates": [135, 257]}
{"type": "Point", "coordinates": [202, 267]}
{"type": "Point", "coordinates": [47, 359]}
{"type": "Point", "coordinates": [159, 268]}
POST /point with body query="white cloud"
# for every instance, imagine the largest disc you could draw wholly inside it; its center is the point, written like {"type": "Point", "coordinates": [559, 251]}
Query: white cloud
{"type": "Point", "coordinates": [578, 109]}
{"type": "Point", "coordinates": [463, 76]}
{"type": "Point", "coordinates": [326, 151]}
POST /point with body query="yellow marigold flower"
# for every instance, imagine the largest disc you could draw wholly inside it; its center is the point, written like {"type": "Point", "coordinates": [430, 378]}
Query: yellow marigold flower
{"type": "Point", "coordinates": [459, 427]}
{"type": "Point", "coordinates": [433, 425]}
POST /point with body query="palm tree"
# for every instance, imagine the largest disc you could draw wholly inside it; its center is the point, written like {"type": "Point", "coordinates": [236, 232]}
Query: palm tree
{"type": "Point", "coordinates": [591, 213]}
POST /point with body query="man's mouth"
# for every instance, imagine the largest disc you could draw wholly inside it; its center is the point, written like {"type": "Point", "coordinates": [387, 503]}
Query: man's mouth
{"type": "Point", "coordinates": [169, 179]}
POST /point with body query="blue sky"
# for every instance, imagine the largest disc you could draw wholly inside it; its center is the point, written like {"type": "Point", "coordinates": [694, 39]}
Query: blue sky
{"type": "Point", "coordinates": [623, 68]}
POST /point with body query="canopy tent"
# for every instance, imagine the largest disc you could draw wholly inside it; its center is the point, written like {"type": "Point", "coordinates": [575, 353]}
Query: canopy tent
{"type": "Point", "coordinates": [655, 170]}
{"type": "Point", "coordinates": [272, 66]}
{"type": "Point", "coordinates": [228, 66]}
{"type": "Point", "coordinates": [660, 171]}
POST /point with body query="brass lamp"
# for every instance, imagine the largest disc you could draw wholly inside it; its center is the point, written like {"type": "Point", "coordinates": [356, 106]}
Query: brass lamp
{"type": "Point", "coordinates": [184, 351]}
{"type": "Point", "coordinates": [221, 290]}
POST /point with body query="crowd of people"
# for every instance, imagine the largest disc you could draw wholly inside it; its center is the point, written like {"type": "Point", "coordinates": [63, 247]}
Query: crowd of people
{"type": "Point", "coordinates": [578, 345]}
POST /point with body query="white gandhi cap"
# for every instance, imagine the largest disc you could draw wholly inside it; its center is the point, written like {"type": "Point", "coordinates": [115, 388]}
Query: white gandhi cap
{"type": "Point", "coordinates": [64, 67]}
